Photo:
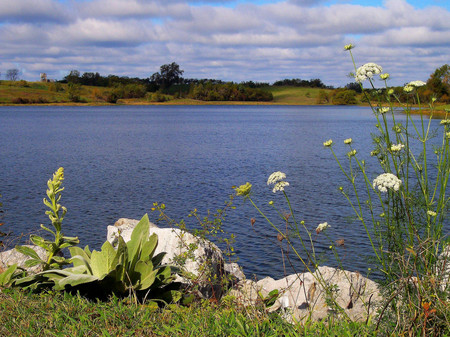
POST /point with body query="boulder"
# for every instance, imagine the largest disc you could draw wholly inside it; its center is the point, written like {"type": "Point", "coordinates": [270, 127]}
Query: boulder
{"type": "Point", "coordinates": [199, 261]}
{"type": "Point", "coordinates": [308, 295]}
{"type": "Point", "coordinates": [443, 269]}
{"type": "Point", "coordinates": [12, 256]}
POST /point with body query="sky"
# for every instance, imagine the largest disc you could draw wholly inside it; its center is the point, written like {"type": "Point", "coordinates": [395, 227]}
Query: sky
{"type": "Point", "coordinates": [230, 40]}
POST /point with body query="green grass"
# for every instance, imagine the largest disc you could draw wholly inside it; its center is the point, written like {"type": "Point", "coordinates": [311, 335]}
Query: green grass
{"type": "Point", "coordinates": [59, 314]}
{"type": "Point", "coordinates": [295, 95]}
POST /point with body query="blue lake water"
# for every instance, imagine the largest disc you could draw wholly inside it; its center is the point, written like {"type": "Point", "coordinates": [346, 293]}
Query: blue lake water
{"type": "Point", "coordinates": [119, 160]}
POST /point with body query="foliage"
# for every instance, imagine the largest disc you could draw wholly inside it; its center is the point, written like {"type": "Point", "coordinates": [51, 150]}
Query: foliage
{"type": "Point", "coordinates": [131, 268]}
{"type": "Point", "coordinates": [56, 215]}
{"type": "Point", "coordinates": [74, 91]}
{"type": "Point", "coordinates": [168, 75]}
{"type": "Point", "coordinates": [344, 97]}
{"type": "Point", "coordinates": [322, 97]}
{"type": "Point", "coordinates": [404, 210]}
{"type": "Point", "coordinates": [49, 314]}
{"type": "Point", "coordinates": [296, 82]}
{"type": "Point", "coordinates": [228, 92]}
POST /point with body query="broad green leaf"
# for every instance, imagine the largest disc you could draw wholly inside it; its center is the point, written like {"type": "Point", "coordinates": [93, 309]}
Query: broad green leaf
{"type": "Point", "coordinates": [87, 251]}
{"type": "Point", "coordinates": [28, 251]}
{"type": "Point", "coordinates": [74, 280]}
{"type": "Point", "coordinates": [148, 248]}
{"type": "Point", "coordinates": [33, 262]}
{"type": "Point", "coordinates": [138, 237]}
{"type": "Point", "coordinates": [146, 275]}
{"type": "Point", "coordinates": [101, 261]}
{"type": "Point", "coordinates": [5, 277]}
{"type": "Point", "coordinates": [80, 257]}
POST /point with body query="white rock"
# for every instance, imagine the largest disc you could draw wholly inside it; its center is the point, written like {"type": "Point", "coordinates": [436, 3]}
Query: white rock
{"type": "Point", "coordinates": [198, 258]}
{"type": "Point", "coordinates": [12, 256]}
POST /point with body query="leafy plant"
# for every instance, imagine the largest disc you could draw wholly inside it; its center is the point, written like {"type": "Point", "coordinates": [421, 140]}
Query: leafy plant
{"type": "Point", "coordinates": [56, 215]}
{"type": "Point", "coordinates": [131, 268]}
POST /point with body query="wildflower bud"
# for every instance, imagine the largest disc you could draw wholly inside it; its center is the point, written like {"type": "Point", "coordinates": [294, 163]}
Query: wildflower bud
{"type": "Point", "coordinates": [280, 237]}
{"type": "Point", "coordinates": [328, 143]}
{"type": "Point", "coordinates": [390, 91]}
{"type": "Point", "coordinates": [431, 213]}
{"type": "Point", "coordinates": [270, 202]}
{"type": "Point", "coordinates": [243, 190]}
{"type": "Point", "coordinates": [352, 153]}
{"type": "Point", "coordinates": [341, 188]}
{"type": "Point", "coordinates": [348, 141]}
{"type": "Point", "coordinates": [349, 46]}
{"type": "Point", "coordinates": [433, 99]}
{"type": "Point", "coordinates": [384, 76]}
{"type": "Point", "coordinates": [445, 122]}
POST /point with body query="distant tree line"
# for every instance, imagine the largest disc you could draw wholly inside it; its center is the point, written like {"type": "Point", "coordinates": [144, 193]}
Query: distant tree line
{"type": "Point", "coordinates": [296, 82]}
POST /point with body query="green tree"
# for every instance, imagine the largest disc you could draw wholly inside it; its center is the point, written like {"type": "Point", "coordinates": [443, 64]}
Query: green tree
{"type": "Point", "coordinates": [74, 91]}
{"type": "Point", "coordinates": [439, 81]}
{"type": "Point", "coordinates": [168, 75]}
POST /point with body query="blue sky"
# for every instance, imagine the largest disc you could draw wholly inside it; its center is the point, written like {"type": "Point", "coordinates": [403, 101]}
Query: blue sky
{"type": "Point", "coordinates": [236, 40]}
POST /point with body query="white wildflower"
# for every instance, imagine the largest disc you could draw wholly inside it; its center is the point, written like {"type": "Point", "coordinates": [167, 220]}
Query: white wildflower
{"type": "Point", "coordinates": [416, 84]}
{"type": "Point", "coordinates": [445, 122]}
{"type": "Point", "coordinates": [408, 88]}
{"type": "Point", "coordinates": [383, 110]}
{"type": "Point", "coordinates": [280, 186]}
{"type": "Point", "coordinates": [431, 213]}
{"type": "Point", "coordinates": [276, 179]}
{"type": "Point", "coordinates": [348, 141]}
{"type": "Point", "coordinates": [387, 181]}
{"type": "Point", "coordinates": [367, 71]}
{"type": "Point", "coordinates": [328, 143]}
{"type": "Point", "coordinates": [397, 147]}
{"type": "Point", "coordinates": [321, 227]}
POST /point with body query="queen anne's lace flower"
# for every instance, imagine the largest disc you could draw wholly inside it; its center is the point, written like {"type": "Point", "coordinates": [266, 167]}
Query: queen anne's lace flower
{"type": "Point", "coordinates": [348, 141]}
{"type": "Point", "coordinates": [367, 71]}
{"type": "Point", "coordinates": [445, 122]}
{"type": "Point", "coordinates": [321, 227]}
{"type": "Point", "coordinates": [417, 83]}
{"type": "Point", "coordinates": [431, 213]}
{"type": "Point", "coordinates": [384, 76]}
{"type": "Point", "coordinates": [387, 181]}
{"type": "Point", "coordinates": [276, 179]}
{"type": "Point", "coordinates": [397, 147]}
{"type": "Point", "coordinates": [383, 110]}
{"type": "Point", "coordinates": [279, 186]}
{"type": "Point", "coordinates": [408, 88]}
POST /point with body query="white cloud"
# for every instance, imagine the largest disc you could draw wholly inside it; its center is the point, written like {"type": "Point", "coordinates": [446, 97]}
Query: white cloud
{"type": "Point", "coordinates": [246, 41]}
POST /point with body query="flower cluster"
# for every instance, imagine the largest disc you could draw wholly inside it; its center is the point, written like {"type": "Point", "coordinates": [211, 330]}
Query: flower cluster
{"type": "Point", "coordinates": [383, 110]}
{"type": "Point", "coordinates": [328, 143]}
{"type": "Point", "coordinates": [397, 147]}
{"type": "Point", "coordinates": [367, 71]}
{"type": "Point", "coordinates": [431, 213]}
{"type": "Point", "coordinates": [243, 190]}
{"type": "Point", "coordinates": [351, 153]}
{"type": "Point", "coordinates": [384, 76]}
{"type": "Point", "coordinates": [348, 141]}
{"type": "Point", "coordinates": [349, 46]}
{"type": "Point", "coordinates": [321, 227]}
{"type": "Point", "coordinates": [445, 122]}
{"type": "Point", "coordinates": [387, 181]}
{"type": "Point", "coordinates": [276, 179]}
{"type": "Point", "coordinates": [416, 84]}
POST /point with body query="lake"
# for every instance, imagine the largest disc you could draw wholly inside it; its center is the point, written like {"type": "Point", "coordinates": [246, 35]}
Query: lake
{"type": "Point", "coordinates": [119, 160]}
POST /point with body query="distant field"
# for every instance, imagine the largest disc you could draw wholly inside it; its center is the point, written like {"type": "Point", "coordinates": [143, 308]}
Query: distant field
{"type": "Point", "coordinates": [295, 95]}
{"type": "Point", "coordinates": [21, 92]}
